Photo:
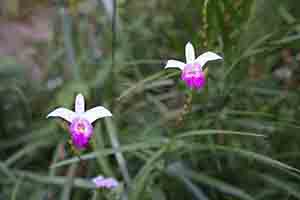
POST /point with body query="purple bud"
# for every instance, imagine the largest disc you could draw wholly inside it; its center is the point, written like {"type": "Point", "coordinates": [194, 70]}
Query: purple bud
{"type": "Point", "coordinates": [108, 183]}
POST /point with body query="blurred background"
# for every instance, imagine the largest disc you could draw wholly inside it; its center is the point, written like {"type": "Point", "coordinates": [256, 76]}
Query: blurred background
{"type": "Point", "coordinates": [239, 138]}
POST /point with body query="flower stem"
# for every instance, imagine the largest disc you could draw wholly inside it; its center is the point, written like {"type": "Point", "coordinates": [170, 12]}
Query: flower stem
{"type": "Point", "coordinates": [187, 107]}
{"type": "Point", "coordinates": [75, 151]}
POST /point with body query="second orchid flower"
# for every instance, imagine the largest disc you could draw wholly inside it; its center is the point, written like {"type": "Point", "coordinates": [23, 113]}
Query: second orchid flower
{"type": "Point", "coordinates": [192, 71]}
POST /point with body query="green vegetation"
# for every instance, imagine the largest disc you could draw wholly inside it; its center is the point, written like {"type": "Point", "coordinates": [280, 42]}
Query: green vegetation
{"type": "Point", "coordinates": [238, 139]}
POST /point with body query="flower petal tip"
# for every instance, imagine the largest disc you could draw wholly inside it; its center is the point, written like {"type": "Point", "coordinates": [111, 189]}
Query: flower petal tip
{"type": "Point", "coordinates": [219, 57]}
{"type": "Point", "coordinates": [96, 113]}
{"type": "Point", "coordinates": [189, 45]}
{"type": "Point", "coordinates": [213, 55]}
{"type": "Point", "coordinates": [189, 52]}
{"type": "Point", "coordinates": [109, 114]}
{"type": "Point", "coordinates": [174, 64]}
{"type": "Point", "coordinates": [206, 57]}
{"type": "Point", "coordinates": [79, 103]}
{"type": "Point", "coordinates": [52, 114]}
{"type": "Point", "coordinates": [63, 113]}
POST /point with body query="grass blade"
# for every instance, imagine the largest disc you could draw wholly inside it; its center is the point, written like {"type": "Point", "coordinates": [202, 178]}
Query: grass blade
{"type": "Point", "coordinates": [116, 145]}
{"type": "Point", "coordinates": [178, 169]}
{"type": "Point", "coordinates": [214, 132]}
{"type": "Point", "coordinates": [107, 152]}
{"type": "Point", "coordinates": [144, 173]}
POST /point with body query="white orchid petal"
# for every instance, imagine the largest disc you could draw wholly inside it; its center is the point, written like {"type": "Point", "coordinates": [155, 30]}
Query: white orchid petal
{"type": "Point", "coordinates": [79, 104]}
{"type": "Point", "coordinates": [96, 113]}
{"type": "Point", "coordinates": [208, 56]}
{"type": "Point", "coordinates": [175, 64]}
{"type": "Point", "coordinates": [189, 53]}
{"type": "Point", "coordinates": [63, 113]}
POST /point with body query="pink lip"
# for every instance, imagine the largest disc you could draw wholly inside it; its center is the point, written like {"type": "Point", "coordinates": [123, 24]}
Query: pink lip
{"type": "Point", "coordinates": [81, 131]}
{"type": "Point", "coordinates": [193, 76]}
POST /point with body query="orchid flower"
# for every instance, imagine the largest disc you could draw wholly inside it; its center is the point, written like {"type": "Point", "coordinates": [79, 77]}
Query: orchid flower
{"type": "Point", "coordinates": [80, 127]}
{"type": "Point", "coordinates": [108, 183]}
{"type": "Point", "coordinates": [192, 71]}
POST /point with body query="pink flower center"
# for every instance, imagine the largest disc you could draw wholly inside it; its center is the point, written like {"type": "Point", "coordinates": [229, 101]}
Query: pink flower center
{"type": "Point", "coordinates": [81, 131]}
{"type": "Point", "coordinates": [81, 128]}
{"type": "Point", "coordinates": [193, 76]}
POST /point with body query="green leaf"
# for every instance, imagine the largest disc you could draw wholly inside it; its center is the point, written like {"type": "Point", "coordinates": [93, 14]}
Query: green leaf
{"type": "Point", "coordinates": [291, 189]}
{"type": "Point", "coordinates": [215, 132]}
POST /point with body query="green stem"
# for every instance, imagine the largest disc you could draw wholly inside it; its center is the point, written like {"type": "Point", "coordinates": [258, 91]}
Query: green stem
{"type": "Point", "coordinates": [98, 144]}
{"type": "Point", "coordinates": [116, 146]}
{"type": "Point", "coordinates": [186, 107]}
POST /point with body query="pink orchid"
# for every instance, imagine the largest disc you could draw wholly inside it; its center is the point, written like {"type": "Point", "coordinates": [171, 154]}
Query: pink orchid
{"type": "Point", "coordinates": [108, 183]}
{"type": "Point", "coordinates": [81, 128]}
{"type": "Point", "coordinates": [192, 71]}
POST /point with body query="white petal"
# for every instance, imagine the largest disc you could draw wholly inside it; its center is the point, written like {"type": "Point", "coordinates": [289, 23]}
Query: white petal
{"type": "Point", "coordinates": [175, 64]}
{"type": "Point", "coordinates": [98, 178]}
{"type": "Point", "coordinates": [208, 56]}
{"type": "Point", "coordinates": [189, 53]}
{"type": "Point", "coordinates": [64, 113]}
{"type": "Point", "coordinates": [96, 113]}
{"type": "Point", "coordinates": [79, 104]}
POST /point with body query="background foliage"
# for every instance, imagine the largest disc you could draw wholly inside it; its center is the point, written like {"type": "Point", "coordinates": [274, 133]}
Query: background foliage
{"type": "Point", "coordinates": [239, 140]}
